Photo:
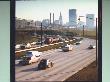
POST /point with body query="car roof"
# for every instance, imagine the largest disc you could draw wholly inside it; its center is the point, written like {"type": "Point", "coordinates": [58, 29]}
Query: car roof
{"type": "Point", "coordinates": [34, 52]}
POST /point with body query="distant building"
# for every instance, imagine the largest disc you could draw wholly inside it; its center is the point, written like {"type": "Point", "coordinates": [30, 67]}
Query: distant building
{"type": "Point", "coordinates": [72, 17]}
{"type": "Point", "coordinates": [37, 23]}
{"type": "Point", "coordinates": [80, 24]}
{"type": "Point", "coordinates": [23, 23]}
{"type": "Point", "coordinates": [45, 22]}
{"type": "Point", "coordinates": [67, 24]}
{"type": "Point", "coordinates": [57, 22]}
{"type": "Point", "coordinates": [60, 19]}
{"type": "Point", "coordinates": [20, 23]}
{"type": "Point", "coordinates": [90, 20]}
{"type": "Point", "coordinates": [30, 23]}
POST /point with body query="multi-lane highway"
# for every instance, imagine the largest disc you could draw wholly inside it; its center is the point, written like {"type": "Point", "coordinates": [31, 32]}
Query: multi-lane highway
{"type": "Point", "coordinates": [65, 64]}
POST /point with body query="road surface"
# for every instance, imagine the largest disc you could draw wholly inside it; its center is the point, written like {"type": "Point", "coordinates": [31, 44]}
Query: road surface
{"type": "Point", "coordinates": [65, 64]}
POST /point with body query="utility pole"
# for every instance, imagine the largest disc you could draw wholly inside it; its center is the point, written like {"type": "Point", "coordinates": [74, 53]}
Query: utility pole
{"type": "Point", "coordinates": [96, 43]}
{"type": "Point", "coordinates": [41, 34]}
{"type": "Point", "coordinates": [35, 30]}
{"type": "Point", "coordinates": [83, 30]}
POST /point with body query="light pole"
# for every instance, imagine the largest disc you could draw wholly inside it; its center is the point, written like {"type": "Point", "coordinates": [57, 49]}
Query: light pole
{"type": "Point", "coordinates": [83, 25]}
{"type": "Point", "coordinates": [96, 20]}
{"type": "Point", "coordinates": [41, 33]}
{"type": "Point", "coordinates": [83, 30]}
{"type": "Point", "coordinates": [96, 43]}
{"type": "Point", "coordinates": [43, 30]}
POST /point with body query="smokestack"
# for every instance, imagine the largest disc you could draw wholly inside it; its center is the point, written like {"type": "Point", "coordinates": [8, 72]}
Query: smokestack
{"type": "Point", "coordinates": [53, 19]}
{"type": "Point", "coordinates": [50, 18]}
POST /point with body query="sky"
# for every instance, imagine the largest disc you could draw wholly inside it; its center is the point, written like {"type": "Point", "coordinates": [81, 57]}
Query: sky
{"type": "Point", "coordinates": [41, 9]}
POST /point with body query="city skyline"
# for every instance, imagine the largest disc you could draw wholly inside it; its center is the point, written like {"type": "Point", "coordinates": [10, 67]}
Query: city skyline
{"type": "Point", "coordinates": [40, 9]}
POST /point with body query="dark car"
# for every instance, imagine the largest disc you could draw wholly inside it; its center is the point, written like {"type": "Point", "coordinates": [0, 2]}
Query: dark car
{"type": "Point", "coordinates": [25, 61]}
{"type": "Point", "coordinates": [43, 64]}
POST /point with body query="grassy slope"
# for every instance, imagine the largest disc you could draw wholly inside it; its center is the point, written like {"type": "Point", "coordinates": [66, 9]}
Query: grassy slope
{"type": "Point", "coordinates": [89, 73]}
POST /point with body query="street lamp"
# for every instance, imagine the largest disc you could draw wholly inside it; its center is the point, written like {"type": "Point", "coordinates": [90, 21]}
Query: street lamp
{"type": "Point", "coordinates": [41, 33]}
{"type": "Point", "coordinates": [82, 26]}
{"type": "Point", "coordinates": [83, 30]}
{"type": "Point", "coordinates": [96, 43]}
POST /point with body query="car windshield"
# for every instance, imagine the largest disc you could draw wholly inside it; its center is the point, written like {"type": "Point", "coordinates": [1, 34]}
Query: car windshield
{"type": "Point", "coordinates": [29, 54]}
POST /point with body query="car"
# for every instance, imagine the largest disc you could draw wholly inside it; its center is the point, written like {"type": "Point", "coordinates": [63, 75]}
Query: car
{"type": "Point", "coordinates": [78, 42]}
{"type": "Point", "coordinates": [45, 63]}
{"type": "Point", "coordinates": [39, 42]}
{"type": "Point", "coordinates": [17, 46]}
{"type": "Point", "coordinates": [67, 48]}
{"type": "Point", "coordinates": [30, 57]}
{"type": "Point", "coordinates": [33, 43]}
{"type": "Point", "coordinates": [81, 38]}
{"type": "Point", "coordinates": [20, 46]}
{"type": "Point", "coordinates": [91, 47]}
{"type": "Point", "coordinates": [28, 45]}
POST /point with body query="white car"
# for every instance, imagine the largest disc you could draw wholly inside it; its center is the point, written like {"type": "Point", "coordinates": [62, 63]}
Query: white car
{"type": "Point", "coordinates": [17, 46]}
{"type": "Point", "coordinates": [67, 48]}
{"type": "Point", "coordinates": [78, 42]}
{"type": "Point", "coordinates": [20, 46]}
{"type": "Point", "coordinates": [91, 47]}
{"type": "Point", "coordinates": [30, 57]}
{"type": "Point", "coordinates": [28, 45]}
{"type": "Point", "coordinates": [33, 43]}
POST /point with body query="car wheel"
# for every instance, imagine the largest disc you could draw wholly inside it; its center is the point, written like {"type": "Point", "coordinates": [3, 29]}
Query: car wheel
{"type": "Point", "coordinates": [30, 63]}
{"type": "Point", "coordinates": [51, 64]}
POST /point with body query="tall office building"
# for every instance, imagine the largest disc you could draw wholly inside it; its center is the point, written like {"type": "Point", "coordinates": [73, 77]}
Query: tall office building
{"type": "Point", "coordinates": [60, 19]}
{"type": "Point", "coordinates": [90, 20]}
{"type": "Point", "coordinates": [72, 17]}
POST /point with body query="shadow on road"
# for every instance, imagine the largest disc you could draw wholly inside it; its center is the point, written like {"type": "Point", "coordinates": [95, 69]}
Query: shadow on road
{"type": "Point", "coordinates": [31, 69]}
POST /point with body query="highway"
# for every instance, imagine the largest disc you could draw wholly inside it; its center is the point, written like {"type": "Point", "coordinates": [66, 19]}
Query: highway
{"type": "Point", "coordinates": [65, 64]}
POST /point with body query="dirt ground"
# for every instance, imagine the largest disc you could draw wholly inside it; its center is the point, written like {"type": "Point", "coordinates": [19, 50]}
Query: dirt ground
{"type": "Point", "coordinates": [89, 73]}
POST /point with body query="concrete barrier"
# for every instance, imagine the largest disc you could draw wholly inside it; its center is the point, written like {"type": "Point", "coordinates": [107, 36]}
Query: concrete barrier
{"type": "Point", "coordinates": [39, 47]}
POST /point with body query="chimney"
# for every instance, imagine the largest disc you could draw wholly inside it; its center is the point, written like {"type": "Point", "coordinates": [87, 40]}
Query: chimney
{"type": "Point", "coordinates": [53, 19]}
{"type": "Point", "coordinates": [50, 18]}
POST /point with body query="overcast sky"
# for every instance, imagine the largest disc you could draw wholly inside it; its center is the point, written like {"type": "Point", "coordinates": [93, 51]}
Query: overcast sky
{"type": "Point", "coordinates": [40, 9]}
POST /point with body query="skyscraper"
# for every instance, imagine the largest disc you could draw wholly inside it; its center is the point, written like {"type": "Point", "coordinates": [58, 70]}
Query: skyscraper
{"type": "Point", "coordinates": [90, 20]}
{"type": "Point", "coordinates": [72, 17]}
{"type": "Point", "coordinates": [60, 19]}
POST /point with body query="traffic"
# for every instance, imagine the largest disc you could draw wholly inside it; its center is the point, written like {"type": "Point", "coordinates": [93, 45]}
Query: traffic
{"type": "Point", "coordinates": [55, 61]}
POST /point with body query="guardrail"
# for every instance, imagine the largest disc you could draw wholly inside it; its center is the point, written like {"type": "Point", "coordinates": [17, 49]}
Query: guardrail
{"type": "Point", "coordinates": [40, 47]}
